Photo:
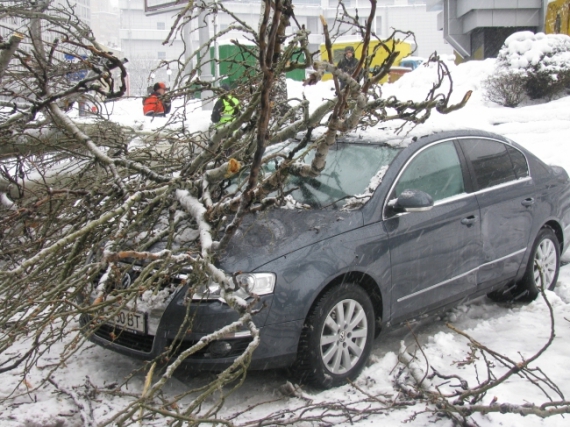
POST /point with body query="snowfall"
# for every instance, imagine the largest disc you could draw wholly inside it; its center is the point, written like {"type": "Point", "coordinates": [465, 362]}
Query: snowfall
{"type": "Point", "coordinates": [515, 330]}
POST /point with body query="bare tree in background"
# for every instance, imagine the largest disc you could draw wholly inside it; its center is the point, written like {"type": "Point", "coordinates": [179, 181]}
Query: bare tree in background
{"type": "Point", "coordinates": [79, 208]}
{"type": "Point", "coordinates": [140, 70]}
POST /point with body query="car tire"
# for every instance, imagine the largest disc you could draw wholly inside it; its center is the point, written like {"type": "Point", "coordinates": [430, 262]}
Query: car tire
{"type": "Point", "coordinates": [332, 349]}
{"type": "Point", "coordinates": [546, 253]}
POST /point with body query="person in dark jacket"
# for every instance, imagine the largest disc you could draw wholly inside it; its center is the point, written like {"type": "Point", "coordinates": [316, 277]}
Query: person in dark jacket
{"type": "Point", "coordinates": [348, 63]}
{"type": "Point", "coordinates": [226, 108]}
{"type": "Point", "coordinates": [157, 105]}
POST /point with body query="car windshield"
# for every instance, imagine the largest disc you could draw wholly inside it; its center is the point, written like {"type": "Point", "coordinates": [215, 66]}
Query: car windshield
{"type": "Point", "coordinates": [349, 171]}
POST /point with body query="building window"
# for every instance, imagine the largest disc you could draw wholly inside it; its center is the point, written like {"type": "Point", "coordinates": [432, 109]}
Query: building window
{"type": "Point", "coordinates": [161, 55]}
{"type": "Point", "coordinates": [313, 24]}
{"type": "Point", "coordinates": [378, 29]}
{"type": "Point", "coordinates": [160, 26]}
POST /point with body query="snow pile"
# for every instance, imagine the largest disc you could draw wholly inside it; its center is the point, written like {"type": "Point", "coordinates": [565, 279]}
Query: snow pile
{"type": "Point", "coordinates": [291, 203]}
{"type": "Point", "coordinates": [153, 300]}
{"type": "Point", "coordinates": [5, 201]}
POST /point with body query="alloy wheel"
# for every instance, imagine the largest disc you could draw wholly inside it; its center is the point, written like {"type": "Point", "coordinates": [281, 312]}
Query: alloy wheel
{"type": "Point", "coordinates": [545, 259]}
{"type": "Point", "coordinates": [344, 336]}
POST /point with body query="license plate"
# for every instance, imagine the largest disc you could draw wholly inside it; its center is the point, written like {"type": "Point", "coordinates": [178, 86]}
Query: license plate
{"type": "Point", "coordinates": [130, 320]}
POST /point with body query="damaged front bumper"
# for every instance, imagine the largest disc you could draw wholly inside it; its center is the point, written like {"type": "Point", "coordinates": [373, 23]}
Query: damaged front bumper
{"type": "Point", "coordinates": [183, 322]}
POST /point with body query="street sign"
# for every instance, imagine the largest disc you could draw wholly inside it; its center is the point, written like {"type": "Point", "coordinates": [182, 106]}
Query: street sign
{"type": "Point", "coordinates": [79, 74]}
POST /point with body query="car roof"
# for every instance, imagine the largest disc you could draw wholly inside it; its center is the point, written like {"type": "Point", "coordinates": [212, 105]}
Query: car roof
{"type": "Point", "coordinates": [458, 133]}
{"type": "Point", "coordinates": [420, 140]}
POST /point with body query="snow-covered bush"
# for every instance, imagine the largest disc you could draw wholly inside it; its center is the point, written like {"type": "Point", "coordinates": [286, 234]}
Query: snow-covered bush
{"type": "Point", "coordinates": [540, 63]}
{"type": "Point", "coordinates": [505, 87]}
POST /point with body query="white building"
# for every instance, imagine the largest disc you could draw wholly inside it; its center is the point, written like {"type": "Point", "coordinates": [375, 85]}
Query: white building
{"type": "Point", "coordinates": [141, 41]}
{"type": "Point", "coordinates": [105, 23]}
{"type": "Point", "coordinates": [146, 34]}
{"type": "Point", "coordinates": [142, 32]}
{"type": "Point", "coordinates": [9, 24]}
{"type": "Point", "coordinates": [142, 36]}
{"type": "Point", "coordinates": [82, 8]}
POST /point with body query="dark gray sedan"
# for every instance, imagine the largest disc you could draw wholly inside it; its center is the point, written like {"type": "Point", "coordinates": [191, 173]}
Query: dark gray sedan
{"type": "Point", "coordinates": [391, 233]}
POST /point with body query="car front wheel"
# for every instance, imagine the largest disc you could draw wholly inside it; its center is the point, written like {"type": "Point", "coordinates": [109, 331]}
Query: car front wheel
{"type": "Point", "coordinates": [337, 337]}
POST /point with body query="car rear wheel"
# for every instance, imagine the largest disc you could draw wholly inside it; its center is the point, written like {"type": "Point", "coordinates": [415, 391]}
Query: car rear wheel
{"type": "Point", "coordinates": [545, 259]}
{"type": "Point", "coordinates": [337, 337]}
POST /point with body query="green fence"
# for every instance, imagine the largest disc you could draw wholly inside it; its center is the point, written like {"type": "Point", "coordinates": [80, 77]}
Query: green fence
{"type": "Point", "coordinates": [239, 63]}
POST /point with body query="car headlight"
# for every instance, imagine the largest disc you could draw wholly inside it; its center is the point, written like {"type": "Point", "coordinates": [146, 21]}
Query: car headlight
{"type": "Point", "coordinates": [257, 283]}
{"type": "Point", "coordinates": [250, 283]}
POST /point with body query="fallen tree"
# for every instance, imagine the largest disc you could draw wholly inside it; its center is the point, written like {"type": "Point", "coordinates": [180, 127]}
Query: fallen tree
{"type": "Point", "coordinates": [109, 206]}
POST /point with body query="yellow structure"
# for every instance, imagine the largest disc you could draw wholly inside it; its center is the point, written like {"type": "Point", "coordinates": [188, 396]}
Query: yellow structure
{"type": "Point", "coordinates": [404, 48]}
{"type": "Point", "coordinates": [557, 19]}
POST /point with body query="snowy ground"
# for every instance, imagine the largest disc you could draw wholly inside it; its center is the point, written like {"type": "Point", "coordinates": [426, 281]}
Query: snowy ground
{"type": "Point", "coordinates": [515, 330]}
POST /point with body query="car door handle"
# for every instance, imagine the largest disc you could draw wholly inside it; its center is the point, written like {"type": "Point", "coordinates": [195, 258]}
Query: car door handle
{"type": "Point", "coordinates": [528, 202]}
{"type": "Point", "coordinates": [470, 220]}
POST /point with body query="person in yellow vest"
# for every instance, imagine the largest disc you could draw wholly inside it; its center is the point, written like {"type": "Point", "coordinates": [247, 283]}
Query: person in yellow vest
{"type": "Point", "coordinates": [226, 108]}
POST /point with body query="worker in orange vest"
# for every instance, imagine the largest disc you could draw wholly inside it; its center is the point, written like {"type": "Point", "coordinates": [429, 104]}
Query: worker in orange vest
{"type": "Point", "coordinates": [156, 105]}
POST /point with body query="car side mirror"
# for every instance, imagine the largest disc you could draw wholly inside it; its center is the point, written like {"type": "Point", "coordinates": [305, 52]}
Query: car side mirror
{"type": "Point", "coordinates": [412, 201]}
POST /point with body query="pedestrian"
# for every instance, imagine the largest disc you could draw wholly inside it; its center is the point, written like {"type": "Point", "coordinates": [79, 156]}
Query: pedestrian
{"type": "Point", "coordinates": [226, 108]}
{"type": "Point", "coordinates": [347, 64]}
{"type": "Point", "coordinates": [157, 104]}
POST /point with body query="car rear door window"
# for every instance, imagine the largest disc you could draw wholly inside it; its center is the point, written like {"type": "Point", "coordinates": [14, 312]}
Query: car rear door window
{"type": "Point", "coordinates": [436, 171]}
{"type": "Point", "coordinates": [491, 162]}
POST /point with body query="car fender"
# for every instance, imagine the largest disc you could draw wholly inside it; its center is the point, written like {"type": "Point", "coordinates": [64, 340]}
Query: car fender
{"type": "Point", "coordinates": [304, 274]}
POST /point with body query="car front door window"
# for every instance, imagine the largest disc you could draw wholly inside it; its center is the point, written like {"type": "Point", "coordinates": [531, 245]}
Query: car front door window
{"type": "Point", "coordinates": [436, 171]}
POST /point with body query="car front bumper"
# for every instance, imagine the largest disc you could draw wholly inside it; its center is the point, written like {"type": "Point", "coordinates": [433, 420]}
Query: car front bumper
{"type": "Point", "coordinates": [168, 335]}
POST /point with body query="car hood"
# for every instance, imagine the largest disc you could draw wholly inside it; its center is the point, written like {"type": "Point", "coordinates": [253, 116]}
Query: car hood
{"type": "Point", "coordinates": [265, 236]}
